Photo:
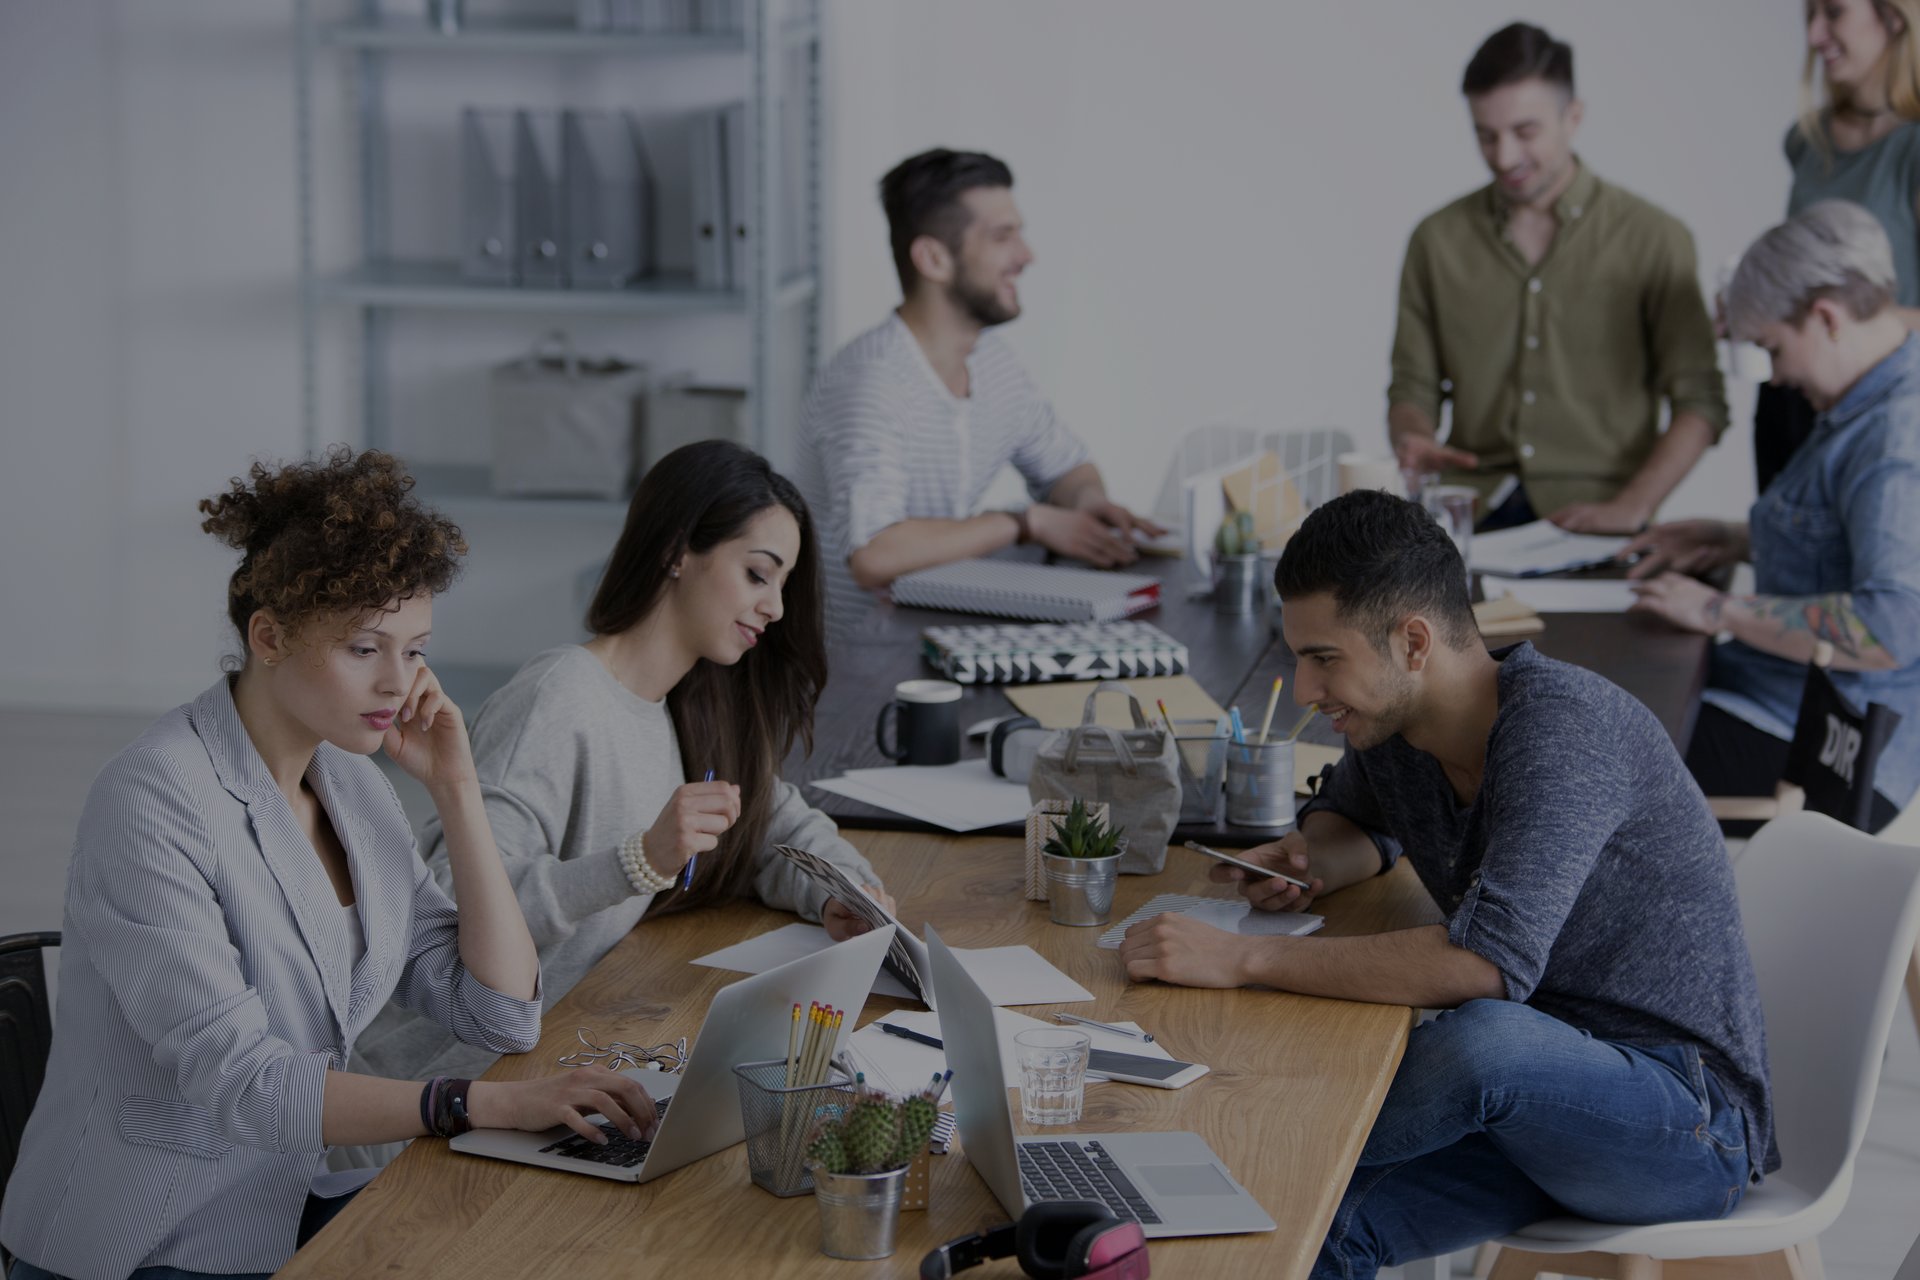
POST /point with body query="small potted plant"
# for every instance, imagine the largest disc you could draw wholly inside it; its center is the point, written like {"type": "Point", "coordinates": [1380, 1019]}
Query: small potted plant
{"type": "Point", "coordinates": [859, 1162]}
{"type": "Point", "coordinates": [1236, 564]}
{"type": "Point", "coordinates": [1082, 862]}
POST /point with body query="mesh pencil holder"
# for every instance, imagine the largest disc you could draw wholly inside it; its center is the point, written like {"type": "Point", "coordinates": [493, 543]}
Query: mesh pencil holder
{"type": "Point", "coordinates": [779, 1120]}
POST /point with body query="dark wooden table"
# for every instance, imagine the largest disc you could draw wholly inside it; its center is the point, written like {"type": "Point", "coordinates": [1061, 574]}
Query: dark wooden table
{"type": "Point", "coordinates": [1234, 658]}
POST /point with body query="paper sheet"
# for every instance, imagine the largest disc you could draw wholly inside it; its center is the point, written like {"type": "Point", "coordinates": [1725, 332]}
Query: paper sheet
{"type": "Point", "coordinates": [1060, 706]}
{"type": "Point", "coordinates": [1540, 547]}
{"type": "Point", "coordinates": [902, 1065]}
{"type": "Point", "coordinates": [1231, 915]}
{"type": "Point", "coordinates": [1572, 595]}
{"type": "Point", "coordinates": [959, 797]}
{"type": "Point", "coordinates": [1009, 975]}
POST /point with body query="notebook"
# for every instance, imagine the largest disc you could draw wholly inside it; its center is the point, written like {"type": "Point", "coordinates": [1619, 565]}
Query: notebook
{"type": "Point", "coordinates": [1041, 592]}
{"type": "Point", "coordinates": [997, 653]}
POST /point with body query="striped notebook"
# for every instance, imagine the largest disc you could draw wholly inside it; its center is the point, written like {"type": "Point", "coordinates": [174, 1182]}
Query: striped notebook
{"type": "Point", "coordinates": [1041, 592]}
{"type": "Point", "coordinates": [1017, 653]}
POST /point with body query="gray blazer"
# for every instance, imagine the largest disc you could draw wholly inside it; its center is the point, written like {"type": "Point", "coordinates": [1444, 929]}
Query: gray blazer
{"type": "Point", "coordinates": [205, 992]}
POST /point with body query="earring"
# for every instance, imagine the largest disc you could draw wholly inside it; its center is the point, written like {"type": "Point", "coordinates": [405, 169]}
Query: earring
{"type": "Point", "coordinates": [673, 573]}
{"type": "Point", "coordinates": [270, 662]}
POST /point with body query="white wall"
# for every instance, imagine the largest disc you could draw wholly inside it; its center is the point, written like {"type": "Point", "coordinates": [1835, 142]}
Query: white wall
{"type": "Point", "coordinates": [1218, 191]}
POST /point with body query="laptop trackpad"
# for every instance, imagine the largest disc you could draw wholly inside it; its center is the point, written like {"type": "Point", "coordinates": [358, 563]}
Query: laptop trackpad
{"type": "Point", "coordinates": [1186, 1180]}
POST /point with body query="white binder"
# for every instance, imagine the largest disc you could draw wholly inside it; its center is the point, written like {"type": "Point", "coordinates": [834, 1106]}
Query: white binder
{"type": "Point", "coordinates": [1041, 592]}
{"type": "Point", "coordinates": [708, 183]}
{"type": "Point", "coordinates": [741, 230]}
{"type": "Point", "coordinates": [488, 238]}
{"type": "Point", "coordinates": [542, 203]}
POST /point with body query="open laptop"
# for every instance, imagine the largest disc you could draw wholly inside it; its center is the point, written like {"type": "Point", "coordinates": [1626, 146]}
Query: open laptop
{"type": "Point", "coordinates": [1172, 1184]}
{"type": "Point", "coordinates": [699, 1106]}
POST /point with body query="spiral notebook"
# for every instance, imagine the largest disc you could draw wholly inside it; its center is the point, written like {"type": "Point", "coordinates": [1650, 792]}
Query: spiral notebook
{"type": "Point", "coordinates": [1016, 653]}
{"type": "Point", "coordinates": [1040, 592]}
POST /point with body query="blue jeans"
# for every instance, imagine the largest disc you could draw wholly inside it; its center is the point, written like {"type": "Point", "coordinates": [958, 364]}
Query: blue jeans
{"type": "Point", "coordinates": [1500, 1116]}
{"type": "Point", "coordinates": [317, 1214]}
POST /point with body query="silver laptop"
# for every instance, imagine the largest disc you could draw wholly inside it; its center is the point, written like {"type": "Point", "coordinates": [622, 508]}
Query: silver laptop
{"type": "Point", "coordinates": [1172, 1184]}
{"type": "Point", "coordinates": [700, 1106]}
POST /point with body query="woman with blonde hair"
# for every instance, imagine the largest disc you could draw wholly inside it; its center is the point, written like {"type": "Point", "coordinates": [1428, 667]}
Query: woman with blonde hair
{"type": "Point", "coordinates": [1857, 139]}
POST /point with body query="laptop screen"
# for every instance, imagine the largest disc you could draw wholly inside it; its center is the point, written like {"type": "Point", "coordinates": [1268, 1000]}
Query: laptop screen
{"type": "Point", "coordinates": [980, 1103]}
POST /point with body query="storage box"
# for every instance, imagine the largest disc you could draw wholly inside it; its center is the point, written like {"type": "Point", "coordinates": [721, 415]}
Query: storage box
{"type": "Point", "coordinates": [682, 414]}
{"type": "Point", "coordinates": [563, 426]}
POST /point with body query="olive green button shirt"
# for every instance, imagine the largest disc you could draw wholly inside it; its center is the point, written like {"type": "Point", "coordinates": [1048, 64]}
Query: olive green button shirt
{"type": "Point", "coordinates": [1556, 371]}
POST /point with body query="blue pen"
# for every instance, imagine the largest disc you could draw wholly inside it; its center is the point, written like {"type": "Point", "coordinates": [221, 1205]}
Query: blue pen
{"type": "Point", "coordinates": [1239, 729]}
{"type": "Point", "coordinates": [686, 881]}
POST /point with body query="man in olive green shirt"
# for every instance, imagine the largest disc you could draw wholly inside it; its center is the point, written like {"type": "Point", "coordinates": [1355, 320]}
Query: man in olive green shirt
{"type": "Point", "coordinates": [1556, 311]}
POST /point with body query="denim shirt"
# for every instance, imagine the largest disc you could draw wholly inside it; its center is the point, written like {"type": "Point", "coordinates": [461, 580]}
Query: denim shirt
{"type": "Point", "coordinates": [1844, 516]}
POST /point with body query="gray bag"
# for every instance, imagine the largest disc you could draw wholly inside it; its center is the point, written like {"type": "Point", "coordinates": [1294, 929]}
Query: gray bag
{"type": "Point", "coordinates": [563, 425]}
{"type": "Point", "coordinates": [1134, 772]}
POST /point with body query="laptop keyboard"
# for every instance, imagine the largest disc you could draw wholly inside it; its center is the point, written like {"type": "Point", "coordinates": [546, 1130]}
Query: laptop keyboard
{"type": "Point", "coordinates": [620, 1151]}
{"type": "Point", "coordinates": [1080, 1171]}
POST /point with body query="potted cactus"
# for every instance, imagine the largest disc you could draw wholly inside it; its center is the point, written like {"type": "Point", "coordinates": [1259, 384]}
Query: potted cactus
{"type": "Point", "coordinates": [1236, 564]}
{"type": "Point", "coordinates": [1082, 862]}
{"type": "Point", "coordinates": [859, 1162]}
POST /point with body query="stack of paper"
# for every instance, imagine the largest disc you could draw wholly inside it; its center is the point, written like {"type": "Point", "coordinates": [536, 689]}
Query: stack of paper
{"type": "Point", "coordinates": [1540, 547]}
{"type": "Point", "coordinates": [960, 797]}
{"type": "Point", "coordinates": [1232, 915]}
{"type": "Point", "coordinates": [1573, 595]}
{"type": "Point", "coordinates": [901, 1065]}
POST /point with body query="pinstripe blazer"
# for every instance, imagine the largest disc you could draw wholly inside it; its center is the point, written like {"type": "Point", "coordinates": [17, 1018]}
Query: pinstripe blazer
{"type": "Point", "coordinates": [206, 990]}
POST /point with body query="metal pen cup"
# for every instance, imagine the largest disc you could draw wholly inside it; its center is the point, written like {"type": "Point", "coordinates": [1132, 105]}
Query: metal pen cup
{"type": "Point", "coordinates": [1260, 784]}
{"type": "Point", "coordinates": [1237, 584]}
{"type": "Point", "coordinates": [1202, 748]}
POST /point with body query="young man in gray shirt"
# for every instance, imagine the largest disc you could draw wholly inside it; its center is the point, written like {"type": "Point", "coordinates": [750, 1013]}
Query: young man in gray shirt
{"type": "Point", "coordinates": [1601, 1052]}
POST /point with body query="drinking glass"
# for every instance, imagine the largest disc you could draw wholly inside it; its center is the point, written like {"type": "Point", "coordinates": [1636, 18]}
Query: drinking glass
{"type": "Point", "coordinates": [1053, 1073]}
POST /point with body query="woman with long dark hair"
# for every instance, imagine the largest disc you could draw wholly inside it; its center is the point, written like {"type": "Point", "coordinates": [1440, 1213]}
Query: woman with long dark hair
{"type": "Point", "coordinates": [706, 658]}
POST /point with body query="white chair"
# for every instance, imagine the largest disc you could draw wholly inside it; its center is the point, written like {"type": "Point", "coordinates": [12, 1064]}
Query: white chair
{"type": "Point", "coordinates": [1309, 456]}
{"type": "Point", "coordinates": [1910, 1269]}
{"type": "Point", "coordinates": [1831, 916]}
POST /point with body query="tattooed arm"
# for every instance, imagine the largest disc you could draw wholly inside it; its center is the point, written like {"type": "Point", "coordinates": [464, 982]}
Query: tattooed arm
{"type": "Point", "coordinates": [1785, 626]}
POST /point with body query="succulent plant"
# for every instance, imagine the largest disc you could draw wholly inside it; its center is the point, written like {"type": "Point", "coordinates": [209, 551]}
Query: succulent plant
{"type": "Point", "coordinates": [875, 1134]}
{"type": "Point", "coordinates": [1237, 536]}
{"type": "Point", "coordinates": [1081, 835]}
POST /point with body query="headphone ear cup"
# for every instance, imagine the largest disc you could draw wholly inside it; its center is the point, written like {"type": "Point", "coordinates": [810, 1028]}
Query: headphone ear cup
{"type": "Point", "coordinates": [1083, 1241]}
{"type": "Point", "coordinates": [1044, 1238]}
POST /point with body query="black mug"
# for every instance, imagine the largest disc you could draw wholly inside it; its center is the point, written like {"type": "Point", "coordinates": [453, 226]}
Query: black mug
{"type": "Point", "coordinates": [927, 729]}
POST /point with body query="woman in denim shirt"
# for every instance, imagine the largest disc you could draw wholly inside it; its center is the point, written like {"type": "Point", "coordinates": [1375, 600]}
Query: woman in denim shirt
{"type": "Point", "coordinates": [1835, 540]}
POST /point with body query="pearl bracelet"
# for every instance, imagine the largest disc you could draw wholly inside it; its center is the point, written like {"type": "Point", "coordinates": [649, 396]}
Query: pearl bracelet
{"type": "Point", "coordinates": [640, 873]}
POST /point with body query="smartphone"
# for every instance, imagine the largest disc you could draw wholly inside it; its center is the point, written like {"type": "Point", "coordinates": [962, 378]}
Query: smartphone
{"type": "Point", "coordinates": [1258, 870]}
{"type": "Point", "coordinates": [1134, 1068]}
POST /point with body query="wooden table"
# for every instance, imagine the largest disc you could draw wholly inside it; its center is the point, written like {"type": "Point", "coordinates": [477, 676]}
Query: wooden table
{"type": "Point", "coordinates": [1295, 1086]}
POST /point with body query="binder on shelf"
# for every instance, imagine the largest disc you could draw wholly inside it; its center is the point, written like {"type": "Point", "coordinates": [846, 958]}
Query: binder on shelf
{"type": "Point", "coordinates": [542, 204]}
{"type": "Point", "coordinates": [609, 200]}
{"type": "Point", "coordinates": [740, 220]}
{"type": "Point", "coordinates": [707, 190]}
{"type": "Point", "coordinates": [1040, 592]}
{"type": "Point", "coordinates": [488, 211]}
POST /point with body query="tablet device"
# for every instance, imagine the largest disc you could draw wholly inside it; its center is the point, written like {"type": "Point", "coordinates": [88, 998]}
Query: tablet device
{"type": "Point", "coordinates": [1255, 868]}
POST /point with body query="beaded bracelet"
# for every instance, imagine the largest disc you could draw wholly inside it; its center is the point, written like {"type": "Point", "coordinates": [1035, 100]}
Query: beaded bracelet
{"type": "Point", "coordinates": [641, 873]}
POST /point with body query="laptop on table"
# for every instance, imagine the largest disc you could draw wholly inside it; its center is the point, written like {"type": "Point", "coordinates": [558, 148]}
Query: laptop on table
{"type": "Point", "coordinates": [699, 1106]}
{"type": "Point", "coordinates": [1172, 1184]}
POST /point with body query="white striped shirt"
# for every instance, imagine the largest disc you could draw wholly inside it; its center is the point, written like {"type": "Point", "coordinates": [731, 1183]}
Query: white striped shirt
{"type": "Point", "coordinates": [883, 440]}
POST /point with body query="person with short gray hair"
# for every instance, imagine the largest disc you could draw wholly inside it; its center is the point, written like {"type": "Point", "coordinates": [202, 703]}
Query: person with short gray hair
{"type": "Point", "coordinates": [1835, 539]}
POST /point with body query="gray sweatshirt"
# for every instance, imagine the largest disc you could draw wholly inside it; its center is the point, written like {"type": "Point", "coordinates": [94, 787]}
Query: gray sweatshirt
{"type": "Point", "coordinates": [572, 763]}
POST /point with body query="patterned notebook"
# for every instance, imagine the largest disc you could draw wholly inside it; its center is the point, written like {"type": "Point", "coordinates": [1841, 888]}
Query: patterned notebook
{"type": "Point", "coordinates": [1013, 654]}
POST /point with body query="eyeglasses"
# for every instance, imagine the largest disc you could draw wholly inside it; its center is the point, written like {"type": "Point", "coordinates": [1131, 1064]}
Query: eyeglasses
{"type": "Point", "coordinates": [617, 1055]}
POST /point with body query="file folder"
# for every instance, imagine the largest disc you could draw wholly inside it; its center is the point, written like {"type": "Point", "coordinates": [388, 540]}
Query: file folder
{"type": "Point", "coordinates": [608, 200]}
{"type": "Point", "coordinates": [707, 182]}
{"type": "Point", "coordinates": [542, 200]}
{"type": "Point", "coordinates": [488, 235]}
{"type": "Point", "coordinates": [741, 231]}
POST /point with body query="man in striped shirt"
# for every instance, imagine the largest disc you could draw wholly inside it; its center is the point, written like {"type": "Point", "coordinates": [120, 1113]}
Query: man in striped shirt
{"type": "Point", "coordinates": [906, 428]}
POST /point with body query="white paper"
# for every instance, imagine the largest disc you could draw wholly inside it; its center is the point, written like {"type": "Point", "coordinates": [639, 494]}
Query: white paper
{"type": "Point", "coordinates": [1540, 547]}
{"type": "Point", "coordinates": [1009, 975]}
{"type": "Point", "coordinates": [900, 1065]}
{"type": "Point", "coordinates": [959, 797]}
{"type": "Point", "coordinates": [1571, 595]}
{"type": "Point", "coordinates": [1233, 915]}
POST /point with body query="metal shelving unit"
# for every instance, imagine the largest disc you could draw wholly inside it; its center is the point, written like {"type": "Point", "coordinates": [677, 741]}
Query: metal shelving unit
{"type": "Point", "coordinates": [778, 34]}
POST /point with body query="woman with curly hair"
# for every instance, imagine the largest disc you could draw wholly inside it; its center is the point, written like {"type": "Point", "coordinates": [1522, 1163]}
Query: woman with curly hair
{"type": "Point", "coordinates": [707, 655]}
{"type": "Point", "coordinates": [244, 896]}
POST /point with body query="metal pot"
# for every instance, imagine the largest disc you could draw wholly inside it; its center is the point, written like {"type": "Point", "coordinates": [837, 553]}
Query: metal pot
{"type": "Point", "coordinates": [1080, 890]}
{"type": "Point", "coordinates": [858, 1212]}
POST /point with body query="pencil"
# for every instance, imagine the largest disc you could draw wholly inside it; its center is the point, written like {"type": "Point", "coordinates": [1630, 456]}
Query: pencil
{"type": "Point", "coordinates": [686, 881]}
{"type": "Point", "coordinates": [1273, 700]}
{"type": "Point", "coordinates": [1301, 723]}
{"type": "Point", "coordinates": [793, 1043]}
{"type": "Point", "coordinates": [1166, 715]}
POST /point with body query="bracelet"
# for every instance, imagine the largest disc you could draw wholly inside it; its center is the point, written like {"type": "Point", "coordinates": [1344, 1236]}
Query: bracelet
{"type": "Point", "coordinates": [641, 873]}
{"type": "Point", "coordinates": [426, 1102]}
{"type": "Point", "coordinates": [449, 1103]}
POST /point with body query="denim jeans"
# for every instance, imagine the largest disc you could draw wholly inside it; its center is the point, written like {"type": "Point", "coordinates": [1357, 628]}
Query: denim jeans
{"type": "Point", "coordinates": [317, 1214]}
{"type": "Point", "coordinates": [1500, 1116]}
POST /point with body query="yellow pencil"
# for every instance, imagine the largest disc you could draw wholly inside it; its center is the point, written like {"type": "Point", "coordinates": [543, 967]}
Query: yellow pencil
{"type": "Point", "coordinates": [1301, 723]}
{"type": "Point", "coordinates": [1273, 700]}
{"type": "Point", "coordinates": [1166, 715]}
{"type": "Point", "coordinates": [793, 1043]}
